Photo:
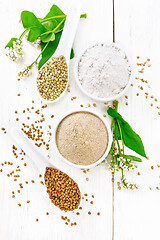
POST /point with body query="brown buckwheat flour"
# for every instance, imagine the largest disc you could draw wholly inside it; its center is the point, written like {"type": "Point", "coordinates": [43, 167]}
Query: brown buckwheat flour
{"type": "Point", "coordinates": [82, 138]}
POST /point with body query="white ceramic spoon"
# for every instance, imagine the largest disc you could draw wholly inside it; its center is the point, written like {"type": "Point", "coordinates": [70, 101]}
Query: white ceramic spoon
{"type": "Point", "coordinates": [66, 41]}
{"type": "Point", "coordinates": [23, 142]}
{"type": "Point", "coordinates": [40, 161]}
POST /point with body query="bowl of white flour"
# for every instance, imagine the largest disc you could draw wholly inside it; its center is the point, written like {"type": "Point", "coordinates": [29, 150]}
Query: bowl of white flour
{"type": "Point", "coordinates": [103, 72]}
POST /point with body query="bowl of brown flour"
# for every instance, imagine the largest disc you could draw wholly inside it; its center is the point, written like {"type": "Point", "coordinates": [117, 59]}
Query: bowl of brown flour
{"type": "Point", "coordinates": [103, 71]}
{"type": "Point", "coordinates": [82, 138]}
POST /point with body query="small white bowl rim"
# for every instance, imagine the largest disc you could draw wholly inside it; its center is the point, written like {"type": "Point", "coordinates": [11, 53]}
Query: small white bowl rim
{"type": "Point", "coordinates": [115, 96]}
{"type": "Point", "coordinates": [110, 138]}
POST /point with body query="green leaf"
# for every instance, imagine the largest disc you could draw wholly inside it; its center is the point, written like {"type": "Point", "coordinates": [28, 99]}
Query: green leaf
{"type": "Point", "coordinates": [48, 37]}
{"type": "Point", "coordinates": [116, 131]}
{"type": "Point", "coordinates": [10, 43]}
{"type": "Point", "coordinates": [112, 124]}
{"type": "Point", "coordinates": [30, 21]}
{"type": "Point", "coordinates": [130, 138]}
{"type": "Point", "coordinates": [50, 25]}
{"type": "Point", "coordinates": [104, 161]}
{"type": "Point", "coordinates": [83, 15]}
{"type": "Point", "coordinates": [113, 113]}
{"type": "Point", "coordinates": [132, 158]}
{"type": "Point", "coordinates": [50, 49]}
{"type": "Point", "coordinates": [72, 54]}
{"type": "Point", "coordinates": [55, 11]}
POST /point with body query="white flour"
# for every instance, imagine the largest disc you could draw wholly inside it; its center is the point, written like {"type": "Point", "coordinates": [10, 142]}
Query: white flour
{"type": "Point", "coordinates": [104, 70]}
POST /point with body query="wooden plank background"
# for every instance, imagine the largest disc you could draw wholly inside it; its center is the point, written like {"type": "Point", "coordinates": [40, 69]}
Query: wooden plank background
{"type": "Point", "coordinates": [136, 212]}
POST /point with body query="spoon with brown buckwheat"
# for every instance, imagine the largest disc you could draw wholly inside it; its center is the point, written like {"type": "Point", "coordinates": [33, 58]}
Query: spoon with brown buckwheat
{"type": "Point", "coordinates": [63, 190]}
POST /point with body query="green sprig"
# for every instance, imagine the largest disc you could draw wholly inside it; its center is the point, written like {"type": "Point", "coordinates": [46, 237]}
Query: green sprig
{"type": "Point", "coordinates": [47, 29]}
{"type": "Point", "coordinates": [124, 136]}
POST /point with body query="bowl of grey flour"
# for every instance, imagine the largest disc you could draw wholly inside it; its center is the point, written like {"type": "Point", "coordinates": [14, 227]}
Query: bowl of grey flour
{"type": "Point", "coordinates": [103, 72]}
{"type": "Point", "coordinates": [82, 138]}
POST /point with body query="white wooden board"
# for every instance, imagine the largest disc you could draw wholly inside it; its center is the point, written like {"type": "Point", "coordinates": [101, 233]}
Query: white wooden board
{"type": "Point", "coordinates": [136, 212]}
{"type": "Point", "coordinates": [20, 222]}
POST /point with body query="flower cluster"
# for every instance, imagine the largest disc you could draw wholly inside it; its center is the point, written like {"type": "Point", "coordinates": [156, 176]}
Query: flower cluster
{"type": "Point", "coordinates": [127, 185]}
{"type": "Point", "coordinates": [122, 165]}
{"type": "Point", "coordinates": [25, 72]}
{"type": "Point", "coordinates": [36, 43]}
{"type": "Point", "coordinates": [16, 52]}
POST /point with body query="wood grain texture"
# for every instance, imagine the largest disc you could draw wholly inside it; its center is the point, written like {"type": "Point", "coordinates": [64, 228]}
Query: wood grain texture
{"type": "Point", "coordinates": [136, 212]}
{"type": "Point", "coordinates": [20, 222]}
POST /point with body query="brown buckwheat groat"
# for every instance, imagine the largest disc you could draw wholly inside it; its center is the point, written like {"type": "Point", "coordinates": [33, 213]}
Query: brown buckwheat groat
{"type": "Point", "coordinates": [62, 190]}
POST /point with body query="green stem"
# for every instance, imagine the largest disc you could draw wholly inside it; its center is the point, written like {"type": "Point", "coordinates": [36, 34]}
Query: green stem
{"type": "Point", "coordinates": [116, 107]}
{"type": "Point", "coordinates": [45, 20]}
{"type": "Point", "coordinates": [119, 149]}
{"type": "Point", "coordinates": [111, 150]}
{"type": "Point", "coordinates": [121, 135]}
{"type": "Point", "coordinates": [48, 19]}
{"type": "Point", "coordinates": [42, 51]}
{"type": "Point", "coordinates": [112, 122]}
{"type": "Point", "coordinates": [58, 30]}
{"type": "Point", "coordinates": [122, 173]}
{"type": "Point", "coordinates": [54, 30]}
{"type": "Point", "coordinates": [23, 33]}
{"type": "Point", "coordinates": [39, 55]}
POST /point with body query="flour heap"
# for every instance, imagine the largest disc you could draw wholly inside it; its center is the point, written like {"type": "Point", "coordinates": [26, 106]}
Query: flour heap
{"type": "Point", "coordinates": [104, 70]}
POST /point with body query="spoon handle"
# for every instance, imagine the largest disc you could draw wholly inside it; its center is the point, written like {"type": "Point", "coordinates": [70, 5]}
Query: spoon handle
{"type": "Point", "coordinates": [22, 140]}
{"type": "Point", "coordinates": [69, 30]}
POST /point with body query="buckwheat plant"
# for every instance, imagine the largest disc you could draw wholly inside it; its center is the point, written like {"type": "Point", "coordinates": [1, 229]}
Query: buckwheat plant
{"type": "Point", "coordinates": [44, 32]}
{"type": "Point", "coordinates": [124, 136]}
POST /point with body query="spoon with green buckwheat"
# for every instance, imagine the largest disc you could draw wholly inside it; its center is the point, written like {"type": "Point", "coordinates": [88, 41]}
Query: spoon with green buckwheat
{"type": "Point", "coordinates": [52, 80]}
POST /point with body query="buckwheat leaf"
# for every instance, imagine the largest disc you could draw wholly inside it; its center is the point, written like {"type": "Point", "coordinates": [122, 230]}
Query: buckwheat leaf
{"type": "Point", "coordinates": [112, 124]}
{"type": "Point", "coordinates": [50, 25]}
{"type": "Point", "coordinates": [10, 43]}
{"type": "Point", "coordinates": [132, 158]}
{"type": "Point", "coordinates": [83, 15]}
{"type": "Point", "coordinates": [50, 49]}
{"type": "Point", "coordinates": [113, 113]}
{"type": "Point", "coordinates": [72, 54]}
{"type": "Point", "coordinates": [130, 138]}
{"type": "Point", "coordinates": [33, 34]}
{"type": "Point", "coordinates": [55, 11]}
{"type": "Point", "coordinates": [116, 131]}
{"type": "Point", "coordinates": [48, 37]}
{"type": "Point", "coordinates": [30, 21]}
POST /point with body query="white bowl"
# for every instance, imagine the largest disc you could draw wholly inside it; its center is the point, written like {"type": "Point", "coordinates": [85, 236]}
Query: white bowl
{"type": "Point", "coordinates": [109, 138]}
{"type": "Point", "coordinates": [97, 98]}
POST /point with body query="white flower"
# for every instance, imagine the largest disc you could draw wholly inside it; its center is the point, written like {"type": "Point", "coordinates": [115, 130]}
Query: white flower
{"type": "Point", "coordinates": [36, 43]}
{"type": "Point", "coordinates": [25, 72]}
{"type": "Point", "coordinates": [16, 52]}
